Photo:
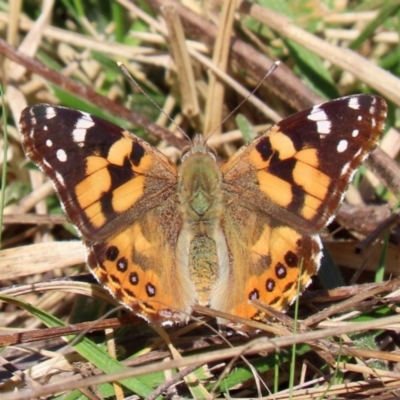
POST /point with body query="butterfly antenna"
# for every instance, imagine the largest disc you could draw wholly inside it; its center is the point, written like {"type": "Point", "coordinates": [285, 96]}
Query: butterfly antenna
{"type": "Point", "coordinates": [126, 72]}
{"type": "Point", "coordinates": [273, 67]}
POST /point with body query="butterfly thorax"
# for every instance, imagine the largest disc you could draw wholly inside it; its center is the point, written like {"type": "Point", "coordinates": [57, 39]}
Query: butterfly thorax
{"type": "Point", "coordinates": [199, 187]}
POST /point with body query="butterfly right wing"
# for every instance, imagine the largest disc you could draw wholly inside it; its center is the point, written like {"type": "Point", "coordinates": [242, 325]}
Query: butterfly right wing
{"type": "Point", "coordinates": [280, 190]}
{"type": "Point", "coordinates": [120, 193]}
{"type": "Point", "coordinates": [300, 168]}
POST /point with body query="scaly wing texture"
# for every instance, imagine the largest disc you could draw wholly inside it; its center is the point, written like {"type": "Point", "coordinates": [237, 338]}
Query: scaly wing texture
{"type": "Point", "coordinates": [298, 170]}
{"type": "Point", "coordinates": [269, 261]}
{"type": "Point", "coordinates": [139, 266]}
{"type": "Point", "coordinates": [116, 189]}
{"type": "Point", "coordinates": [283, 188]}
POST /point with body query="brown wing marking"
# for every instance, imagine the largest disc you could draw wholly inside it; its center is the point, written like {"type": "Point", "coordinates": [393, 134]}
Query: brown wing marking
{"type": "Point", "coordinates": [266, 261]}
{"type": "Point", "coordinates": [139, 267]}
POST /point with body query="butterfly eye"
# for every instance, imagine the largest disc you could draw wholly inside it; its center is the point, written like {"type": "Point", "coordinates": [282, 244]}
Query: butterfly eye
{"type": "Point", "coordinates": [211, 151]}
{"type": "Point", "coordinates": [185, 152]}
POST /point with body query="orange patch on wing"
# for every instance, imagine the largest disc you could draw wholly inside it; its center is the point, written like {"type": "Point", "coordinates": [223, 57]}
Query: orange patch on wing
{"type": "Point", "coordinates": [275, 188]}
{"type": "Point", "coordinates": [141, 243]}
{"type": "Point", "coordinates": [94, 164]}
{"type": "Point", "coordinates": [146, 162]}
{"type": "Point", "coordinates": [254, 158]}
{"type": "Point", "coordinates": [282, 240]}
{"type": "Point", "coordinates": [283, 144]}
{"type": "Point", "coordinates": [90, 190]}
{"type": "Point", "coordinates": [126, 195]}
{"type": "Point", "coordinates": [310, 207]}
{"type": "Point", "coordinates": [135, 296]}
{"type": "Point", "coordinates": [123, 241]}
{"type": "Point", "coordinates": [119, 150]}
{"type": "Point", "coordinates": [243, 308]}
{"type": "Point", "coordinates": [261, 247]}
{"type": "Point", "coordinates": [308, 156]}
{"type": "Point", "coordinates": [95, 215]}
{"type": "Point", "coordinates": [313, 181]}
{"type": "Point", "coordinates": [123, 148]}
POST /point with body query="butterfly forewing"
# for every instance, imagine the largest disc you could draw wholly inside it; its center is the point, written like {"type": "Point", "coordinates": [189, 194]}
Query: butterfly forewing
{"type": "Point", "coordinates": [99, 170]}
{"type": "Point", "coordinates": [305, 162]}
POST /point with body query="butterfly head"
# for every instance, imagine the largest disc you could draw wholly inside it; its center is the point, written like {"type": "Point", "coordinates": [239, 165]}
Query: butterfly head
{"type": "Point", "coordinates": [198, 146]}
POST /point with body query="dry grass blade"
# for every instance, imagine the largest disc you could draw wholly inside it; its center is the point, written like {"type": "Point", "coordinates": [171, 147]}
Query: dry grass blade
{"type": "Point", "coordinates": [376, 77]}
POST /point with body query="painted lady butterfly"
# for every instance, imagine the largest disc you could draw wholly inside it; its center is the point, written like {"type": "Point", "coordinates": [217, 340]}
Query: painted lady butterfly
{"type": "Point", "coordinates": [162, 238]}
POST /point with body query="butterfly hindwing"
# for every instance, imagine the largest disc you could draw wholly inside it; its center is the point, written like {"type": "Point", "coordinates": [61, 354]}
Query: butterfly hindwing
{"type": "Point", "coordinates": [139, 266]}
{"type": "Point", "coordinates": [272, 263]}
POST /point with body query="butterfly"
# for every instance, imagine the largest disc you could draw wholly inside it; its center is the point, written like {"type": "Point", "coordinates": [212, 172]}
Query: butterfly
{"type": "Point", "coordinates": [163, 238]}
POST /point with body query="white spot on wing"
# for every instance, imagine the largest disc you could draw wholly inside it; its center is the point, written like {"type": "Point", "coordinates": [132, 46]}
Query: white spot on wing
{"type": "Point", "coordinates": [50, 112]}
{"type": "Point", "coordinates": [355, 132]}
{"type": "Point", "coordinates": [324, 127]}
{"type": "Point", "coordinates": [60, 178]}
{"type": "Point", "coordinates": [46, 164]}
{"type": "Point", "coordinates": [32, 115]}
{"type": "Point", "coordinates": [353, 103]}
{"type": "Point", "coordinates": [359, 118]}
{"type": "Point", "coordinates": [254, 296]}
{"type": "Point", "coordinates": [78, 135]}
{"type": "Point", "coordinates": [85, 122]}
{"type": "Point", "coordinates": [316, 258]}
{"type": "Point", "coordinates": [45, 128]}
{"type": "Point", "coordinates": [358, 153]}
{"type": "Point", "coordinates": [321, 118]}
{"type": "Point", "coordinates": [350, 180]}
{"type": "Point", "coordinates": [317, 114]}
{"type": "Point", "coordinates": [151, 290]}
{"type": "Point", "coordinates": [345, 169]}
{"type": "Point", "coordinates": [49, 143]}
{"type": "Point", "coordinates": [61, 155]}
{"type": "Point", "coordinates": [318, 255]}
{"type": "Point", "coordinates": [81, 127]}
{"type": "Point", "coordinates": [281, 271]}
{"type": "Point", "coordinates": [342, 146]}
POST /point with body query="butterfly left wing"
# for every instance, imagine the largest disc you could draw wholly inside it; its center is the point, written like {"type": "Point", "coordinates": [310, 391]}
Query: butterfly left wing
{"type": "Point", "coordinates": [104, 176]}
{"type": "Point", "coordinates": [120, 193]}
{"type": "Point", "coordinates": [281, 190]}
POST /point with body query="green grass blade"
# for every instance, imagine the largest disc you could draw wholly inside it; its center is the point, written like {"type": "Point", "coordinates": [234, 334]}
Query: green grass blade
{"type": "Point", "coordinates": [85, 347]}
